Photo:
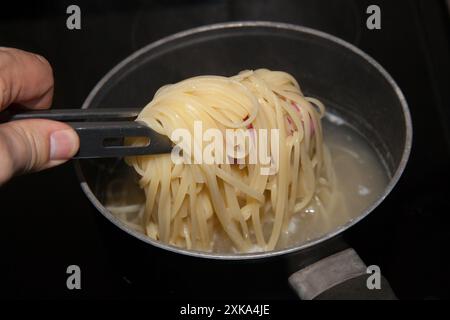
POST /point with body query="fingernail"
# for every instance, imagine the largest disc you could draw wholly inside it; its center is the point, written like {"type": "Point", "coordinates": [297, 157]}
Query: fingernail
{"type": "Point", "coordinates": [63, 144]}
{"type": "Point", "coordinates": [41, 58]}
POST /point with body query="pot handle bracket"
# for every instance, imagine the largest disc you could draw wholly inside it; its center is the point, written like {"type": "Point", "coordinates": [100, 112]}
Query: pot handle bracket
{"type": "Point", "coordinates": [341, 276]}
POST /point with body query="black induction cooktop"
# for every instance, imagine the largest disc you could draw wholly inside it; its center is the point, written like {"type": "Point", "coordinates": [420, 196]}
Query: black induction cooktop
{"type": "Point", "coordinates": [48, 223]}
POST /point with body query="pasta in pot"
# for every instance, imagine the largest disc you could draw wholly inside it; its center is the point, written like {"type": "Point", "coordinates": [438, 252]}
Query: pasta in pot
{"type": "Point", "coordinates": [196, 205]}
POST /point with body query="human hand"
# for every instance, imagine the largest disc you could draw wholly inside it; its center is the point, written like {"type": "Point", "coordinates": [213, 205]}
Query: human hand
{"type": "Point", "coordinates": [30, 145]}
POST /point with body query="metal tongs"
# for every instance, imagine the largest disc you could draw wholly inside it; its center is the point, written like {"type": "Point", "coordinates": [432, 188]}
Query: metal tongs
{"type": "Point", "coordinates": [102, 131]}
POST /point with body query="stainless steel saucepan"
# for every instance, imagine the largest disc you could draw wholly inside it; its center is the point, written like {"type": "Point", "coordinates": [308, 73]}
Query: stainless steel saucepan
{"type": "Point", "coordinates": [350, 82]}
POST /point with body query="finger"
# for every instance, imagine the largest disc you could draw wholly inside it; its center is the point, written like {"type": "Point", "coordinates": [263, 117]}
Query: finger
{"type": "Point", "coordinates": [32, 145]}
{"type": "Point", "coordinates": [25, 78]}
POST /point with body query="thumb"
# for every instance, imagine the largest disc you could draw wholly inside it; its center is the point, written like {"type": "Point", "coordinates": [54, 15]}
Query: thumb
{"type": "Point", "coordinates": [33, 145]}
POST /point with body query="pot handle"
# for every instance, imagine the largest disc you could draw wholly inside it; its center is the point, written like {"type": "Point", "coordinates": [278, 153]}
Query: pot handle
{"type": "Point", "coordinates": [341, 276]}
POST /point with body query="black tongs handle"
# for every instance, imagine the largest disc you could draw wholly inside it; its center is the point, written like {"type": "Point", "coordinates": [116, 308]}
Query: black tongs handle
{"type": "Point", "coordinates": [94, 137]}
{"type": "Point", "coordinates": [103, 131]}
{"type": "Point", "coordinates": [65, 115]}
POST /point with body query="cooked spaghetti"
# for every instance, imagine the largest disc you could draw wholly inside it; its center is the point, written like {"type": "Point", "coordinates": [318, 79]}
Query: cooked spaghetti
{"type": "Point", "coordinates": [198, 206]}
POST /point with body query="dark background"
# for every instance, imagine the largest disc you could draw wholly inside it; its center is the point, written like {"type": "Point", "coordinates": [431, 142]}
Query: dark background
{"type": "Point", "coordinates": [47, 223]}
